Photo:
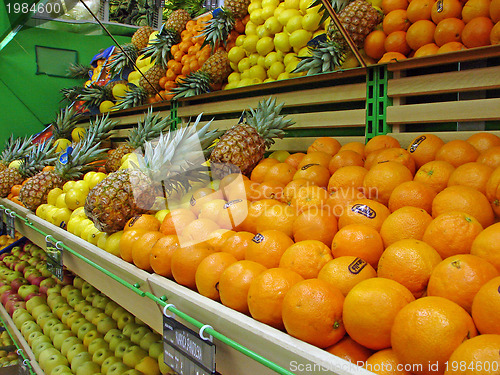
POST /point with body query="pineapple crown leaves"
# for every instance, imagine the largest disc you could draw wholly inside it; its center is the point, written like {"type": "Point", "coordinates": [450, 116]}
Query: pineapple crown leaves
{"type": "Point", "coordinates": [16, 148]}
{"type": "Point", "coordinates": [123, 59]}
{"type": "Point", "coordinates": [194, 7]}
{"type": "Point", "coordinates": [79, 71]}
{"type": "Point", "coordinates": [65, 123]}
{"type": "Point", "coordinates": [159, 48]}
{"type": "Point", "coordinates": [325, 57]}
{"type": "Point", "coordinates": [134, 97]}
{"type": "Point", "coordinates": [148, 129]}
{"type": "Point", "coordinates": [40, 155]}
{"type": "Point", "coordinates": [100, 128]}
{"type": "Point", "coordinates": [195, 83]}
{"type": "Point", "coordinates": [71, 93]}
{"type": "Point", "coordinates": [217, 29]}
{"type": "Point", "coordinates": [338, 6]}
{"type": "Point", "coordinates": [268, 121]}
{"type": "Point", "coordinates": [94, 95]}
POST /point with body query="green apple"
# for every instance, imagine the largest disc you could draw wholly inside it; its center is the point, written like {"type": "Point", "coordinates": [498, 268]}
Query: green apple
{"type": "Point", "coordinates": [116, 313]}
{"type": "Point", "coordinates": [105, 325]}
{"type": "Point", "coordinates": [87, 288]}
{"type": "Point", "coordinates": [97, 344]}
{"type": "Point", "coordinates": [115, 340]}
{"type": "Point", "coordinates": [84, 329]}
{"type": "Point", "coordinates": [124, 319]}
{"type": "Point", "coordinates": [108, 362]}
{"type": "Point", "coordinates": [33, 335]}
{"type": "Point", "coordinates": [138, 334]}
{"type": "Point", "coordinates": [78, 282]}
{"type": "Point", "coordinates": [88, 368]}
{"type": "Point", "coordinates": [98, 317]}
{"type": "Point", "coordinates": [61, 370]}
{"type": "Point", "coordinates": [55, 329]}
{"type": "Point", "coordinates": [112, 333]}
{"type": "Point", "coordinates": [122, 348]}
{"type": "Point", "coordinates": [133, 355]}
{"type": "Point", "coordinates": [72, 317]}
{"type": "Point", "coordinates": [91, 312]}
{"type": "Point", "coordinates": [54, 289]}
{"type": "Point", "coordinates": [68, 343]}
{"type": "Point", "coordinates": [74, 300]}
{"type": "Point", "coordinates": [40, 339]}
{"type": "Point", "coordinates": [66, 289]}
{"type": "Point", "coordinates": [55, 298]}
{"type": "Point", "coordinates": [43, 317]}
{"type": "Point", "coordinates": [77, 323]}
{"type": "Point", "coordinates": [90, 336]}
{"type": "Point", "coordinates": [91, 296]}
{"type": "Point", "coordinates": [39, 309]}
{"type": "Point", "coordinates": [48, 324]}
{"type": "Point", "coordinates": [37, 349]}
{"type": "Point", "coordinates": [148, 365]}
{"type": "Point", "coordinates": [100, 355]}
{"type": "Point", "coordinates": [156, 349]}
{"type": "Point", "coordinates": [73, 292]}
{"type": "Point", "coordinates": [79, 359]}
{"type": "Point", "coordinates": [74, 351]}
{"type": "Point", "coordinates": [81, 305]}
{"type": "Point", "coordinates": [26, 290]}
{"type": "Point", "coordinates": [59, 309]}
{"type": "Point", "coordinates": [110, 307]}
{"type": "Point", "coordinates": [149, 339]}
{"type": "Point", "coordinates": [117, 368]}
{"type": "Point", "coordinates": [60, 337]}
{"type": "Point", "coordinates": [100, 301]}
{"type": "Point", "coordinates": [130, 328]}
{"type": "Point", "coordinates": [20, 316]}
{"type": "Point", "coordinates": [66, 314]}
{"type": "Point", "coordinates": [43, 358]}
{"type": "Point", "coordinates": [28, 327]}
{"type": "Point", "coordinates": [133, 371]}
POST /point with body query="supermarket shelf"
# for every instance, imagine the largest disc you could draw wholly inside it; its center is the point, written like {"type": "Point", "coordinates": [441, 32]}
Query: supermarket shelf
{"type": "Point", "coordinates": [23, 344]}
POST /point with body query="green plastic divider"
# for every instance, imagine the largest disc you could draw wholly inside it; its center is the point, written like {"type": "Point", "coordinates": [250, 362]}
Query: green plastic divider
{"type": "Point", "coordinates": [19, 351]}
{"type": "Point", "coordinates": [162, 301]}
{"type": "Point", "coordinates": [377, 101]}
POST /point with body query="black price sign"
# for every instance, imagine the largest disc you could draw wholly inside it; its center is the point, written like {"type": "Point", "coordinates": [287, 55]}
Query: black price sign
{"type": "Point", "coordinates": [11, 224]}
{"type": "Point", "coordinates": [185, 351]}
{"type": "Point", "coordinates": [3, 228]}
{"type": "Point", "coordinates": [24, 368]}
{"type": "Point", "coordinates": [54, 259]}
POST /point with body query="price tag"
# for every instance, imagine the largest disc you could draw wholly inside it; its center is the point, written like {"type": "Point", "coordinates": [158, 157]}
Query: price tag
{"type": "Point", "coordinates": [24, 367]}
{"type": "Point", "coordinates": [185, 351]}
{"type": "Point", "coordinates": [11, 225]}
{"type": "Point", "coordinates": [54, 259]}
{"type": "Point", "coordinates": [3, 228]}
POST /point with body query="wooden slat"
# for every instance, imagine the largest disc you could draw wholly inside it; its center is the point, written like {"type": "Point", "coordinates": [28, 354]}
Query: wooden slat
{"type": "Point", "coordinates": [465, 80]}
{"type": "Point", "coordinates": [468, 110]}
{"type": "Point", "coordinates": [300, 144]}
{"type": "Point", "coordinates": [406, 138]}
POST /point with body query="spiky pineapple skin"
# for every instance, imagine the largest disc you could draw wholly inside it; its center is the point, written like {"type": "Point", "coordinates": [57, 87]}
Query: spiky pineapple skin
{"type": "Point", "coordinates": [217, 67]}
{"type": "Point", "coordinates": [2, 166]}
{"type": "Point", "coordinates": [119, 197]}
{"type": "Point", "coordinates": [239, 149]}
{"type": "Point", "coordinates": [8, 178]}
{"type": "Point", "coordinates": [238, 8]}
{"type": "Point", "coordinates": [34, 192]}
{"type": "Point", "coordinates": [115, 157]}
{"type": "Point", "coordinates": [178, 20]}
{"type": "Point", "coordinates": [153, 75]}
{"type": "Point", "coordinates": [141, 37]}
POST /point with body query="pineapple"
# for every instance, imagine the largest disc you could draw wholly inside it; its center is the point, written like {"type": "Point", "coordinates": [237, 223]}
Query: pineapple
{"type": "Point", "coordinates": [94, 95]}
{"type": "Point", "coordinates": [71, 93]}
{"type": "Point", "coordinates": [178, 20]}
{"type": "Point", "coordinates": [79, 71]}
{"type": "Point", "coordinates": [134, 97]}
{"type": "Point", "coordinates": [168, 163]}
{"type": "Point", "coordinates": [34, 192]}
{"type": "Point", "coordinates": [326, 56]}
{"type": "Point", "coordinates": [151, 79]}
{"type": "Point", "coordinates": [238, 8]}
{"type": "Point", "coordinates": [38, 157]}
{"type": "Point", "coordinates": [217, 29]}
{"type": "Point", "coordinates": [243, 146]}
{"type": "Point", "coordinates": [140, 38]}
{"type": "Point", "coordinates": [150, 128]}
{"type": "Point", "coordinates": [64, 124]}
{"type": "Point", "coordinates": [14, 149]}
{"type": "Point", "coordinates": [215, 70]}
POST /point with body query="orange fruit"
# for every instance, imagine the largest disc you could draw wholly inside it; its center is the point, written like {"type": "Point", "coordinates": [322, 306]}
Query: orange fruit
{"type": "Point", "coordinates": [490, 157]}
{"type": "Point", "coordinates": [395, 20]}
{"type": "Point", "coordinates": [350, 350]}
{"type": "Point", "coordinates": [405, 222]}
{"type": "Point", "coordinates": [338, 200]}
{"type": "Point", "coordinates": [420, 33]}
{"type": "Point", "coordinates": [390, 57]}
{"type": "Point", "coordinates": [161, 255]}
{"type": "Point", "coordinates": [281, 172]}
{"type": "Point", "coordinates": [427, 331]}
{"type": "Point", "coordinates": [354, 146]}
{"type": "Point", "coordinates": [291, 189]}
{"type": "Point", "coordinates": [232, 214]}
{"type": "Point", "coordinates": [485, 307]}
{"type": "Point", "coordinates": [212, 209]}
{"type": "Point", "coordinates": [294, 159]}
{"type": "Point", "coordinates": [446, 9]}
{"type": "Point", "coordinates": [345, 272]}
{"type": "Point", "coordinates": [480, 354]}
{"type": "Point", "coordinates": [483, 141]}
{"type": "Point", "coordinates": [476, 32]}
{"type": "Point", "coordinates": [316, 174]}
{"type": "Point", "coordinates": [451, 47]}
{"type": "Point", "coordinates": [379, 142]}
{"type": "Point", "coordinates": [142, 248]}
{"type": "Point", "coordinates": [235, 179]}
{"type": "Point", "coordinates": [127, 241]}
{"type": "Point", "coordinates": [412, 193]}
{"type": "Point", "coordinates": [266, 294]}
{"type": "Point", "coordinates": [419, 10]}
{"type": "Point", "coordinates": [385, 362]}
{"type": "Point", "coordinates": [345, 158]}
{"type": "Point", "coordinates": [493, 190]}
{"type": "Point", "coordinates": [374, 44]}
{"type": "Point", "coordinates": [452, 233]}
{"type": "Point", "coordinates": [383, 178]}
{"type": "Point", "coordinates": [390, 5]}
{"type": "Point", "coordinates": [312, 312]}
{"type": "Point", "coordinates": [459, 278]}
{"type": "Point", "coordinates": [270, 190]}
{"type": "Point", "coordinates": [347, 177]}
{"type": "Point", "coordinates": [474, 175]}
{"type": "Point", "coordinates": [306, 258]}
{"type": "Point", "coordinates": [235, 282]}
{"type": "Point", "coordinates": [175, 221]}
{"type": "Point", "coordinates": [495, 10]}
{"type": "Point", "coordinates": [209, 271]}
{"type": "Point", "coordinates": [410, 262]}
{"type": "Point", "coordinates": [237, 244]}
{"type": "Point", "coordinates": [261, 169]}
{"type": "Point", "coordinates": [315, 158]}
{"type": "Point", "coordinates": [308, 197]}
{"type": "Point", "coordinates": [399, 155]}
{"type": "Point", "coordinates": [279, 217]}
{"type": "Point", "coordinates": [267, 247]}
{"type": "Point", "coordinates": [325, 144]}
{"type": "Point", "coordinates": [217, 238]}
{"type": "Point", "coordinates": [198, 230]}
{"type": "Point", "coordinates": [485, 245]}
{"type": "Point", "coordinates": [364, 211]}
{"type": "Point", "coordinates": [426, 50]}
{"type": "Point", "coordinates": [435, 174]}
{"type": "Point", "coordinates": [185, 261]}
{"type": "Point", "coordinates": [457, 152]}
{"type": "Point", "coordinates": [423, 148]}
{"type": "Point", "coordinates": [449, 30]}
{"type": "Point", "coordinates": [358, 240]}
{"type": "Point", "coordinates": [255, 209]}
{"type": "Point", "coordinates": [396, 42]}
{"type": "Point", "coordinates": [370, 309]}
{"type": "Point", "coordinates": [143, 221]}
{"type": "Point", "coordinates": [495, 34]}
{"type": "Point", "coordinates": [475, 8]}
{"type": "Point", "coordinates": [315, 224]}
{"type": "Point", "coordinates": [466, 199]}
{"type": "Point", "coordinates": [202, 196]}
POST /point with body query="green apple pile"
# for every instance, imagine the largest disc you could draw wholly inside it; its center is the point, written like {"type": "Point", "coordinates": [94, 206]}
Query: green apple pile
{"type": "Point", "coordinates": [7, 356]}
{"type": "Point", "coordinates": [75, 329]}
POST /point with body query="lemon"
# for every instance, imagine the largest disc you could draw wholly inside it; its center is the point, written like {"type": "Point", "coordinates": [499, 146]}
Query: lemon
{"type": "Point", "coordinates": [281, 42]}
{"type": "Point", "coordinates": [15, 164]}
{"type": "Point", "coordinates": [68, 186]}
{"type": "Point", "coordinates": [311, 21]}
{"type": "Point", "coordinates": [254, 58]}
{"type": "Point", "coordinates": [256, 16]}
{"type": "Point", "coordinates": [272, 25]}
{"type": "Point", "coordinates": [153, 35]}
{"type": "Point", "coordinates": [234, 77]}
{"type": "Point", "coordinates": [245, 74]}
{"type": "Point", "coordinates": [140, 61]}
{"type": "Point", "coordinates": [253, 6]}
{"type": "Point", "coordinates": [318, 32]}
{"type": "Point", "coordinates": [292, 4]}
{"type": "Point", "coordinates": [120, 89]}
{"type": "Point", "coordinates": [280, 155]}
{"type": "Point", "coordinates": [77, 231]}
{"type": "Point", "coordinates": [80, 212]}
{"type": "Point", "coordinates": [267, 11]}
{"type": "Point", "coordinates": [250, 29]}
{"type": "Point", "coordinates": [239, 40]}
{"type": "Point", "coordinates": [304, 51]}
{"type": "Point", "coordinates": [41, 211]}
{"type": "Point", "coordinates": [258, 72]}
{"type": "Point", "coordinates": [89, 229]}
{"type": "Point", "coordinates": [106, 106]}
{"type": "Point", "coordinates": [160, 215]}
{"type": "Point", "coordinates": [88, 176]}
{"type": "Point", "coordinates": [82, 185]}
{"type": "Point", "coordinates": [294, 23]}
{"type": "Point", "coordinates": [93, 236]}
{"type": "Point", "coordinates": [62, 144]}
{"type": "Point", "coordinates": [77, 134]}
{"type": "Point", "coordinates": [49, 212]}
{"type": "Point", "coordinates": [101, 242]}
{"type": "Point", "coordinates": [235, 54]}
{"type": "Point", "coordinates": [250, 43]}
{"type": "Point", "coordinates": [53, 195]}
{"type": "Point", "coordinates": [375, 3]}
{"type": "Point", "coordinates": [315, 9]}
{"type": "Point", "coordinates": [278, 10]}
{"type": "Point", "coordinates": [304, 5]}
{"type": "Point", "coordinates": [73, 223]}
{"type": "Point", "coordinates": [133, 76]}
{"type": "Point", "coordinates": [262, 31]}
{"type": "Point", "coordinates": [270, 3]}
{"type": "Point", "coordinates": [299, 38]}
{"type": "Point", "coordinates": [276, 69]}
{"type": "Point", "coordinates": [261, 61]}
{"type": "Point", "coordinates": [244, 64]}
{"type": "Point", "coordinates": [271, 58]}
{"type": "Point", "coordinates": [283, 75]}
{"type": "Point", "coordinates": [265, 45]}
{"type": "Point", "coordinates": [246, 82]}
{"type": "Point", "coordinates": [268, 80]}
{"type": "Point", "coordinates": [286, 14]}
{"type": "Point", "coordinates": [61, 201]}
{"type": "Point", "coordinates": [61, 216]}
{"type": "Point", "coordinates": [112, 244]}
{"type": "Point", "coordinates": [75, 198]}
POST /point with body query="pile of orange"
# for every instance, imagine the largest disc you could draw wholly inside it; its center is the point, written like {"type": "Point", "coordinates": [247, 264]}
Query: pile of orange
{"type": "Point", "coordinates": [416, 28]}
{"type": "Point", "coordinates": [376, 253]}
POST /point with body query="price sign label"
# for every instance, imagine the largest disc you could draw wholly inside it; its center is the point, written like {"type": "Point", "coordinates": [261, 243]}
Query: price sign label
{"type": "Point", "coordinates": [3, 228]}
{"type": "Point", "coordinates": [54, 259]}
{"type": "Point", "coordinates": [185, 351]}
{"type": "Point", "coordinates": [24, 368]}
{"type": "Point", "coordinates": [11, 225]}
